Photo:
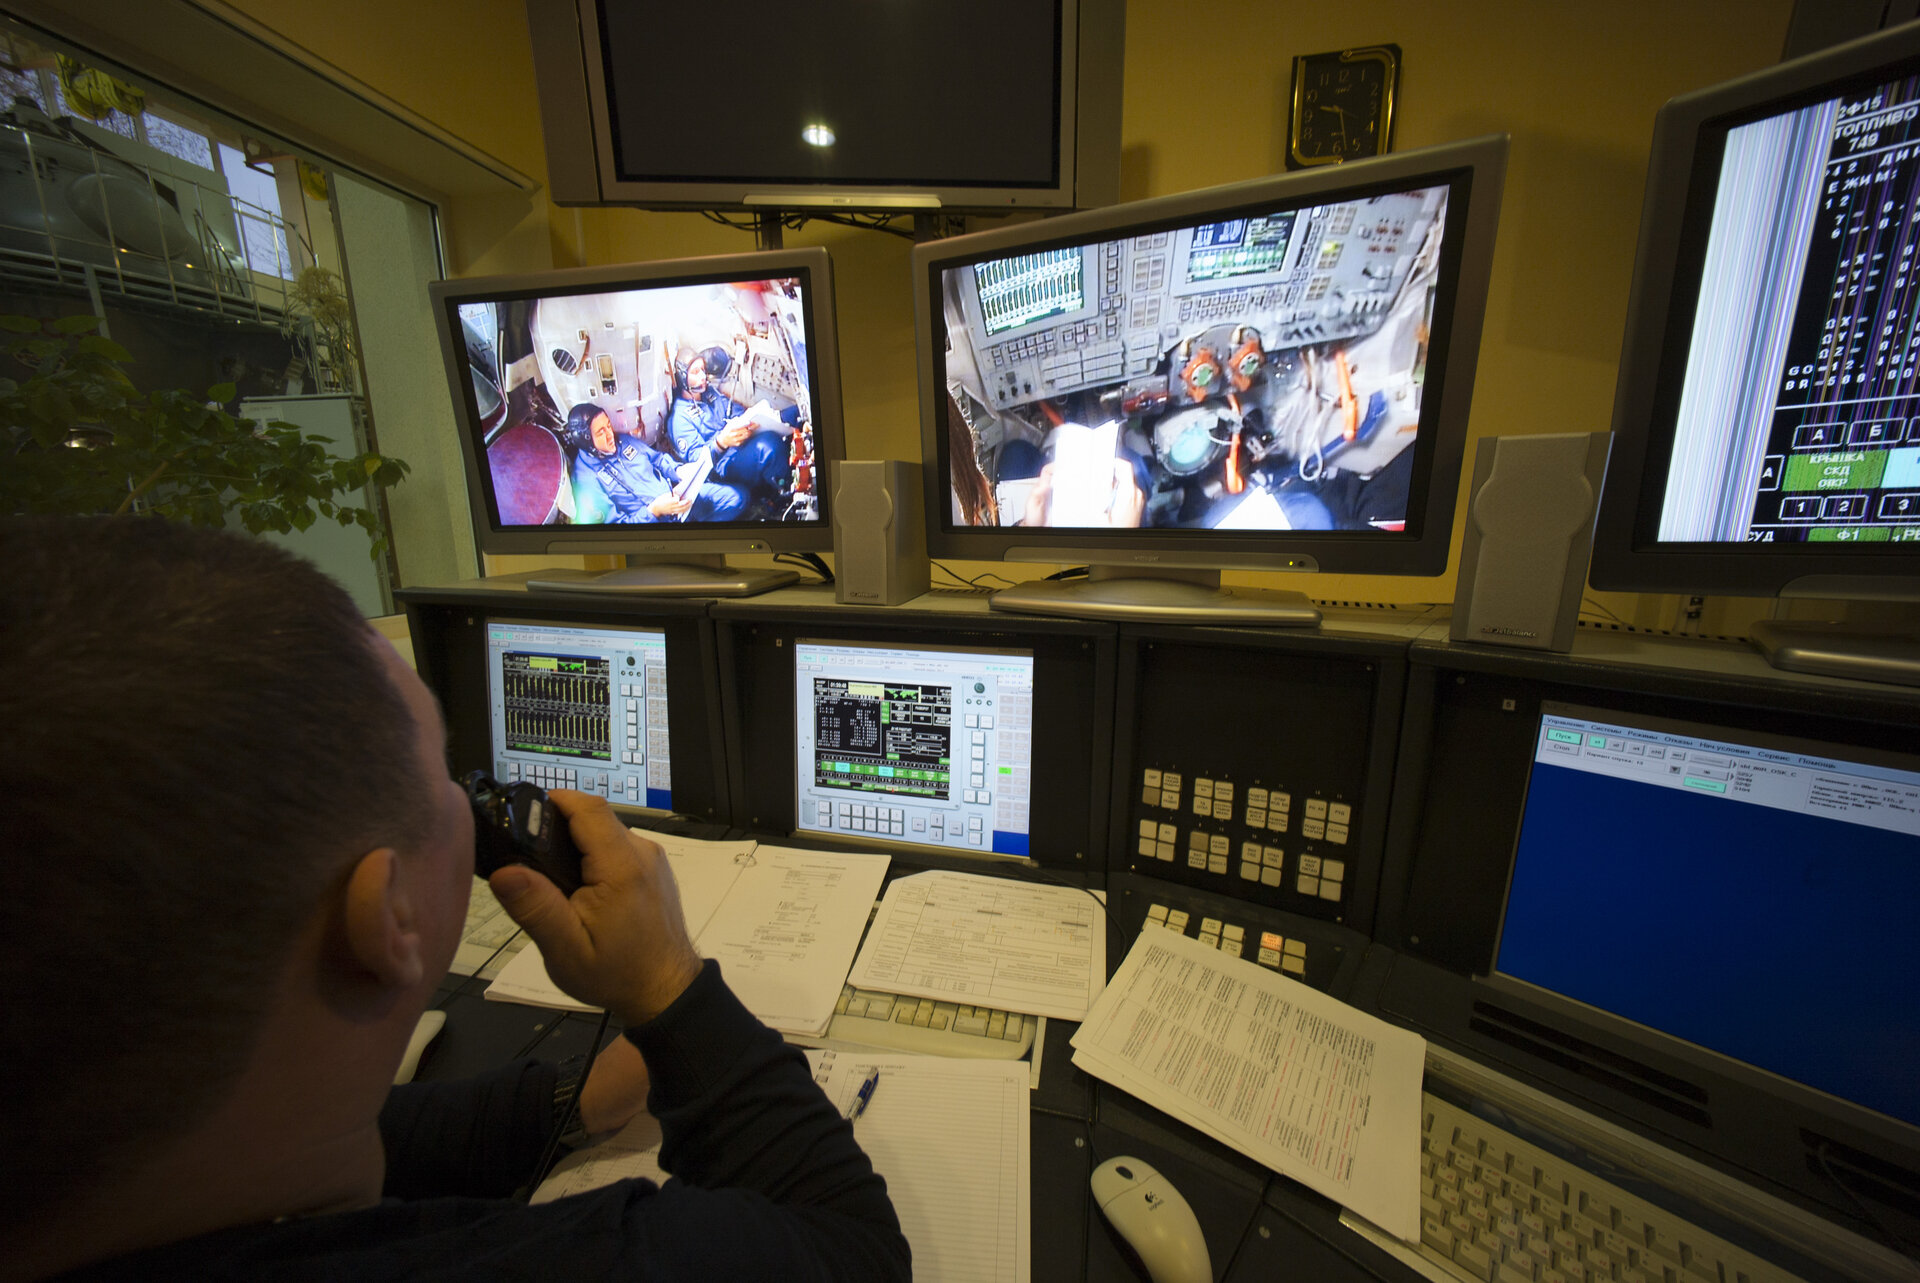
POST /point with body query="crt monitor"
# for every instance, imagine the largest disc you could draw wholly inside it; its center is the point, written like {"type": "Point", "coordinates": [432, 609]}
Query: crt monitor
{"type": "Point", "coordinates": [833, 105]}
{"type": "Point", "coordinates": [673, 411]}
{"type": "Point", "coordinates": [1767, 414]}
{"type": "Point", "coordinates": [1744, 899]}
{"type": "Point", "coordinates": [1272, 375]}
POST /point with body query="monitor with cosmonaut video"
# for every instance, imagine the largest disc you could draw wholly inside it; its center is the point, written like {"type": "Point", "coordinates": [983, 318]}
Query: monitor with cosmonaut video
{"type": "Point", "coordinates": [1270, 375]}
{"type": "Point", "coordinates": [674, 411]}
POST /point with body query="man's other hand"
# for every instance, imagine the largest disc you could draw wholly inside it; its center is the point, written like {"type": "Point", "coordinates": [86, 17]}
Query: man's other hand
{"type": "Point", "coordinates": [621, 942]}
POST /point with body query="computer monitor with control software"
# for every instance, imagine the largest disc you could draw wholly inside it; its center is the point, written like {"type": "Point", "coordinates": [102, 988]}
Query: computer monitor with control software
{"type": "Point", "coordinates": [1767, 415]}
{"type": "Point", "coordinates": [1272, 375]}
{"type": "Point", "coordinates": [914, 745]}
{"type": "Point", "coordinates": [581, 707]}
{"type": "Point", "coordinates": [673, 411]}
{"type": "Point", "coordinates": [1662, 867]}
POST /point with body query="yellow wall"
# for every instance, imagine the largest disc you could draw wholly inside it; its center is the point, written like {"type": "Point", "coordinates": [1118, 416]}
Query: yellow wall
{"type": "Point", "coordinates": [1576, 86]}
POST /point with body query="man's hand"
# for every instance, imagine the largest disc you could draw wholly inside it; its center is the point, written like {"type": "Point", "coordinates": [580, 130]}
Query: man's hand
{"type": "Point", "coordinates": [621, 941]}
{"type": "Point", "coordinates": [736, 431]}
{"type": "Point", "coordinates": [668, 506]}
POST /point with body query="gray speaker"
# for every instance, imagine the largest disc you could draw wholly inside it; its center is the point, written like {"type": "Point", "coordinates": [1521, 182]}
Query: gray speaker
{"type": "Point", "coordinates": [1523, 564]}
{"type": "Point", "coordinates": [879, 532]}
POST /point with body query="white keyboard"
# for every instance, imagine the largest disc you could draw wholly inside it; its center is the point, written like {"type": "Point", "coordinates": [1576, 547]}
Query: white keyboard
{"type": "Point", "coordinates": [1493, 1207]}
{"type": "Point", "coordinates": [872, 1018]}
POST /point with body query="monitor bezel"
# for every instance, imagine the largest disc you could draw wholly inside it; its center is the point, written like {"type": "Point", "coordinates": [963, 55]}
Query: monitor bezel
{"type": "Point", "coordinates": [1688, 140]}
{"type": "Point", "coordinates": [651, 539]}
{"type": "Point", "coordinates": [1089, 69]}
{"type": "Point", "coordinates": [1476, 167]}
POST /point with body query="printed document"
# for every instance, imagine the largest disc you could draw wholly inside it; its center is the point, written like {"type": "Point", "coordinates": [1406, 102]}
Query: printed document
{"type": "Point", "coordinates": [987, 942]}
{"type": "Point", "coordinates": [1299, 1081]}
{"type": "Point", "coordinates": [782, 922]}
{"type": "Point", "coordinates": [951, 1137]}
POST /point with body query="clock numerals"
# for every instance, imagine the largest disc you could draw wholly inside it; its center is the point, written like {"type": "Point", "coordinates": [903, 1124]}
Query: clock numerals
{"type": "Point", "coordinates": [1342, 105]}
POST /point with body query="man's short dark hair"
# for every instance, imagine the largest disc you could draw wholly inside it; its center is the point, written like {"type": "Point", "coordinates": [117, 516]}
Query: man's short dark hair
{"type": "Point", "coordinates": [197, 741]}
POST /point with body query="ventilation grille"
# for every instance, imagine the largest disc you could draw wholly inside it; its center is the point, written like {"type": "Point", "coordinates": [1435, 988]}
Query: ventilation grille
{"type": "Point", "coordinates": [1675, 1096]}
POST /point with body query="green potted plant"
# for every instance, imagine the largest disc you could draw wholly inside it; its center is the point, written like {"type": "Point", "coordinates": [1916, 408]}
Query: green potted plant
{"type": "Point", "coordinates": [80, 438]}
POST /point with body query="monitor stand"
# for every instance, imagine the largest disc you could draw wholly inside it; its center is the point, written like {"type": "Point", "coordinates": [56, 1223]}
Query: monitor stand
{"type": "Point", "coordinates": [1131, 594]}
{"type": "Point", "coordinates": [687, 575]}
{"type": "Point", "coordinates": [1834, 649]}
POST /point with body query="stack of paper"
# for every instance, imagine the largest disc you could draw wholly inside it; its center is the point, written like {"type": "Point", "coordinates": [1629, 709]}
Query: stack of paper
{"type": "Point", "coordinates": [987, 942]}
{"type": "Point", "coordinates": [1286, 1075]}
{"type": "Point", "coordinates": [783, 923]}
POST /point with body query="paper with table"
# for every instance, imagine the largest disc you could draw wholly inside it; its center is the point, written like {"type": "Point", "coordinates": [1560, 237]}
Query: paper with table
{"type": "Point", "coordinates": [987, 942]}
{"type": "Point", "coordinates": [1313, 1088]}
{"type": "Point", "coordinates": [950, 1136]}
{"type": "Point", "coordinates": [952, 1139]}
{"type": "Point", "coordinates": [782, 922]}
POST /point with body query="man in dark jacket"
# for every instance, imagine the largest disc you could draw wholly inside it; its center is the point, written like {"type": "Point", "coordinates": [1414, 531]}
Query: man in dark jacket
{"type": "Point", "coordinates": [238, 869]}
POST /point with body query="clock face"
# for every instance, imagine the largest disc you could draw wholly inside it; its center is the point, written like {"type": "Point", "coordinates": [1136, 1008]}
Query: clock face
{"type": "Point", "coordinates": [1342, 105]}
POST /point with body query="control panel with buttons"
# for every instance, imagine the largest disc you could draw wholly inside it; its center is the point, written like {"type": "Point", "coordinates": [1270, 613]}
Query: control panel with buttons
{"type": "Point", "coordinates": [1293, 844]}
{"type": "Point", "coordinates": [1309, 951]}
{"type": "Point", "coordinates": [1257, 764]}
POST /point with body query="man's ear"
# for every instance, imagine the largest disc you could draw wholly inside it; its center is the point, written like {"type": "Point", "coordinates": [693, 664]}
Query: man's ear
{"type": "Point", "coordinates": [382, 931]}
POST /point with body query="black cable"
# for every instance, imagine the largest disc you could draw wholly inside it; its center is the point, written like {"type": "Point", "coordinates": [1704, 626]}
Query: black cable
{"type": "Point", "coordinates": [1114, 931]}
{"type": "Point", "coordinates": [795, 221]}
{"type": "Point", "coordinates": [811, 560]}
{"type": "Point", "coordinates": [1071, 572]}
{"type": "Point", "coordinates": [1905, 1247]}
{"type": "Point", "coordinates": [561, 1124]}
{"type": "Point", "coordinates": [955, 575]}
{"type": "Point", "coordinates": [467, 984]}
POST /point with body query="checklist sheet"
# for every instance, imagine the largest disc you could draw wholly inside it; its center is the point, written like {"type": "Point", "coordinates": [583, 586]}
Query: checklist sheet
{"type": "Point", "coordinates": [1313, 1088]}
{"type": "Point", "coordinates": [987, 942]}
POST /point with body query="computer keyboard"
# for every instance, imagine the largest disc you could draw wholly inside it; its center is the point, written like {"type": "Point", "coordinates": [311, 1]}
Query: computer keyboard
{"type": "Point", "coordinates": [875, 1019]}
{"type": "Point", "coordinates": [1493, 1207]}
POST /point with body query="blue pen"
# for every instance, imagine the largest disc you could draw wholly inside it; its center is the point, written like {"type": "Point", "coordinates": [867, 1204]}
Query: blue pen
{"type": "Point", "coordinates": [862, 1096]}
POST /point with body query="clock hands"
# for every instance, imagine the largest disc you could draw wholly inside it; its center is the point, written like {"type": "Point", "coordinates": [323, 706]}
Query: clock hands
{"type": "Point", "coordinates": [1342, 113]}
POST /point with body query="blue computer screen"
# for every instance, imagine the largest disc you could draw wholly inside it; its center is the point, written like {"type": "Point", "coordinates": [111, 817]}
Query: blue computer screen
{"type": "Point", "coordinates": [1755, 896]}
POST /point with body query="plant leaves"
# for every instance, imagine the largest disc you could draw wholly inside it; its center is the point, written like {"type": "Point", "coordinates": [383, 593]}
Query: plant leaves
{"type": "Point", "coordinates": [20, 324]}
{"type": "Point", "coordinates": [94, 345]}
{"type": "Point", "coordinates": [76, 324]}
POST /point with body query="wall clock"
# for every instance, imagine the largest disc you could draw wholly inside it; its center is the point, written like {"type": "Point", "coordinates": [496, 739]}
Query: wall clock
{"type": "Point", "coordinates": [1342, 105]}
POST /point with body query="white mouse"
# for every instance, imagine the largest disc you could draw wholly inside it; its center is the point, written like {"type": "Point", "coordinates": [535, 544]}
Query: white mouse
{"type": "Point", "coordinates": [1148, 1212]}
{"type": "Point", "coordinates": [425, 1030]}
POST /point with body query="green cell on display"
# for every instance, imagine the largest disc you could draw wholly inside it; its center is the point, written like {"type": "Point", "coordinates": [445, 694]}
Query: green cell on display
{"type": "Point", "coordinates": [1852, 470]}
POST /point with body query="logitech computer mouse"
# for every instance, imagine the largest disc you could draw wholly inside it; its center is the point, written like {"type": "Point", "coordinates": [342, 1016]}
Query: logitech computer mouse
{"type": "Point", "coordinates": [1148, 1212]}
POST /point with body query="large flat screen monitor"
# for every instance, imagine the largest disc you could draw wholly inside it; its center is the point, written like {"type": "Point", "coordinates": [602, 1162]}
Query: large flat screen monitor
{"type": "Point", "coordinates": [1272, 375]}
{"type": "Point", "coordinates": [845, 105]}
{"type": "Point", "coordinates": [1767, 415]}
{"type": "Point", "coordinates": [673, 411]}
{"type": "Point", "coordinates": [1737, 894]}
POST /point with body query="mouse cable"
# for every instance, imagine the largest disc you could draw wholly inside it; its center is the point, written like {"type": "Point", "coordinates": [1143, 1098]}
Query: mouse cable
{"type": "Point", "coordinates": [1114, 931]}
{"type": "Point", "coordinates": [1828, 1161]}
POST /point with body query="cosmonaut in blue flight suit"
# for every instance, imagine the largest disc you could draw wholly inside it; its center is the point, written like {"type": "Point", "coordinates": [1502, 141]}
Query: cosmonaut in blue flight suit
{"type": "Point", "coordinates": [625, 475]}
{"type": "Point", "coordinates": [742, 456]}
